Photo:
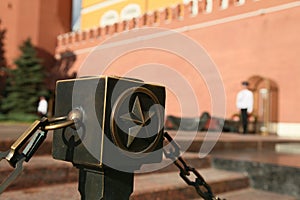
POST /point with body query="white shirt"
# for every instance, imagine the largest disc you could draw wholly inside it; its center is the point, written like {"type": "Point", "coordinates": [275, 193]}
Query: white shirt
{"type": "Point", "coordinates": [43, 106]}
{"type": "Point", "coordinates": [244, 100]}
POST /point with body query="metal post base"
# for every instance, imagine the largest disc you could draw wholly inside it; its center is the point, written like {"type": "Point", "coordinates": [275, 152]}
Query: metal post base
{"type": "Point", "coordinates": [104, 184]}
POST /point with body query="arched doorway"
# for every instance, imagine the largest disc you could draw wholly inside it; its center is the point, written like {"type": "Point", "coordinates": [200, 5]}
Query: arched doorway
{"type": "Point", "coordinates": [265, 103]}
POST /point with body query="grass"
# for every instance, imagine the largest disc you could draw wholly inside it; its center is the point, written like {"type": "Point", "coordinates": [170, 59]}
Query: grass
{"type": "Point", "coordinates": [17, 118]}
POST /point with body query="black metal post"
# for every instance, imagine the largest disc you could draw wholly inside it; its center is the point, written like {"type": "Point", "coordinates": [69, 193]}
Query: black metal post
{"type": "Point", "coordinates": [104, 184]}
{"type": "Point", "coordinates": [120, 125]}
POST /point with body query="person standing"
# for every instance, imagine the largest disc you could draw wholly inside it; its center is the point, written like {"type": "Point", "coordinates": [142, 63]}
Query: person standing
{"type": "Point", "coordinates": [42, 107]}
{"type": "Point", "coordinates": [244, 102]}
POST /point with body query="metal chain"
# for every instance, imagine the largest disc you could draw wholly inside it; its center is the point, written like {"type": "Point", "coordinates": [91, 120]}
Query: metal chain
{"type": "Point", "coordinates": [28, 143]}
{"type": "Point", "coordinates": [38, 132]}
{"type": "Point", "coordinates": [58, 123]}
{"type": "Point", "coordinates": [202, 188]}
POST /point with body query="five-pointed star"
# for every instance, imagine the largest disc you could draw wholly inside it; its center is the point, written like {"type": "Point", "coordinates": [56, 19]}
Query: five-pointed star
{"type": "Point", "coordinates": [137, 116]}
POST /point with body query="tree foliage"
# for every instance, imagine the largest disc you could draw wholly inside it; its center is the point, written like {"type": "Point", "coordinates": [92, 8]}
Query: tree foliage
{"type": "Point", "coordinates": [2, 65]}
{"type": "Point", "coordinates": [25, 83]}
{"type": "Point", "coordinates": [2, 58]}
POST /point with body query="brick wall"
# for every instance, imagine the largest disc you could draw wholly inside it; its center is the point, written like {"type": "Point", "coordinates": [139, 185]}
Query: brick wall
{"type": "Point", "coordinates": [243, 39]}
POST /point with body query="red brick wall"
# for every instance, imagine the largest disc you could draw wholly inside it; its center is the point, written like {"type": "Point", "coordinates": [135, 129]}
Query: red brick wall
{"type": "Point", "coordinates": [242, 40]}
{"type": "Point", "coordinates": [41, 20]}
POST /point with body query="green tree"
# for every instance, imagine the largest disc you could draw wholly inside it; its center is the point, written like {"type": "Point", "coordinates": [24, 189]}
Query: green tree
{"type": "Point", "coordinates": [2, 65]}
{"type": "Point", "coordinates": [2, 58]}
{"type": "Point", "coordinates": [25, 83]}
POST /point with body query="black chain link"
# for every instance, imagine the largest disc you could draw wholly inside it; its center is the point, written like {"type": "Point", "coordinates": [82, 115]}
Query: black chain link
{"type": "Point", "coordinates": [202, 188]}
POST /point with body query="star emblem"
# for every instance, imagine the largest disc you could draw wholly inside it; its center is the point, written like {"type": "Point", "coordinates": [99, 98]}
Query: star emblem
{"type": "Point", "coordinates": [136, 121]}
{"type": "Point", "coordinates": [138, 117]}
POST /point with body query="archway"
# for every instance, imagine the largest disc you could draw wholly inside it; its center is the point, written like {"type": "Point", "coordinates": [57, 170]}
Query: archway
{"type": "Point", "coordinates": [265, 107]}
{"type": "Point", "coordinates": [109, 18]}
{"type": "Point", "coordinates": [131, 11]}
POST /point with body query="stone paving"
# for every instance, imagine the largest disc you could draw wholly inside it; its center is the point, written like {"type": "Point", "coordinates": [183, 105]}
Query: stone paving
{"type": "Point", "coordinates": [47, 178]}
{"type": "Point", "coordinates": [151, 186]}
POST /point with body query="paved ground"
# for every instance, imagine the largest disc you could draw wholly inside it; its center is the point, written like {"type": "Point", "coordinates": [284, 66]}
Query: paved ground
{"type": "Point", "coordinates": [143, 185]}
{"type": "Point", "coordinates": [283, 159]}
{"type": "Point", "coordinates": [9, 133]}
{"type": "Point", "coordinates": [13, 131]}
{"type": "Point", "coordinates": [251, 194]}
{"type": "Point", "coordinates": [69, 191]}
